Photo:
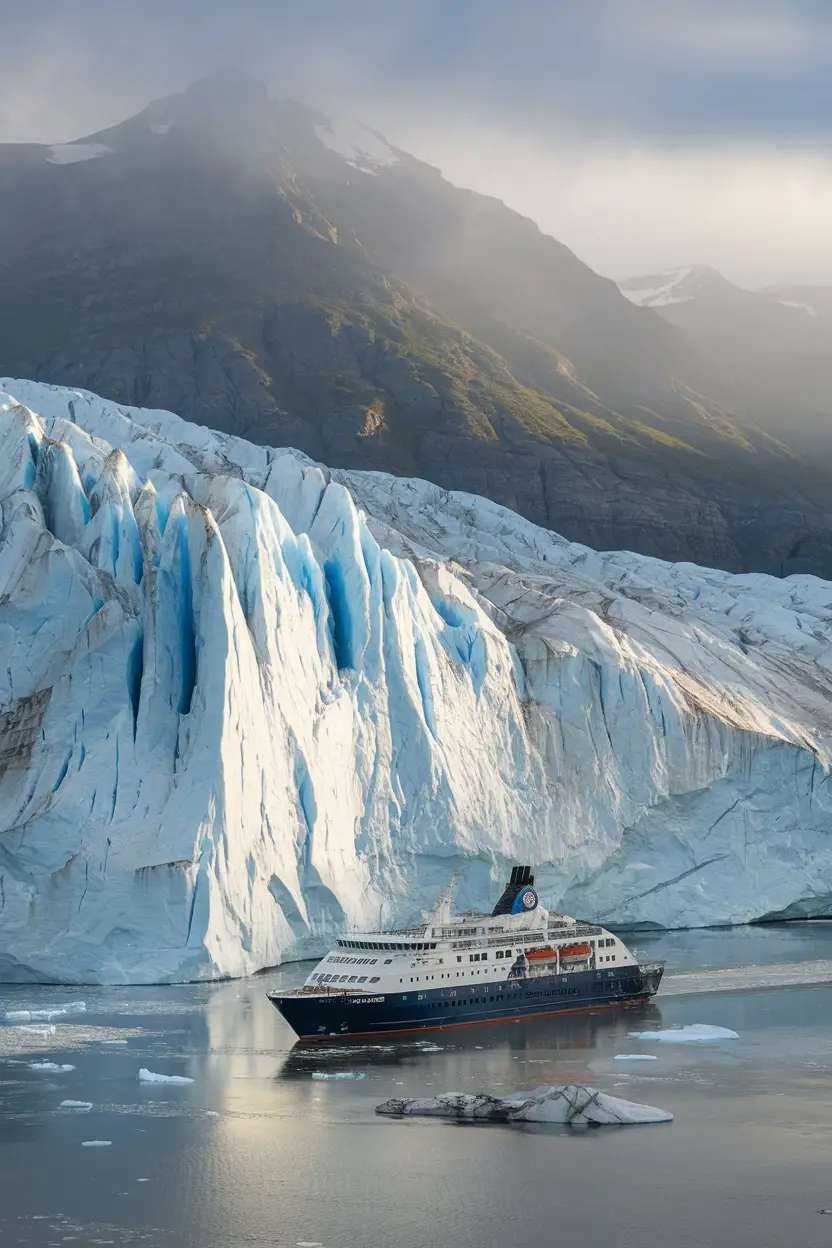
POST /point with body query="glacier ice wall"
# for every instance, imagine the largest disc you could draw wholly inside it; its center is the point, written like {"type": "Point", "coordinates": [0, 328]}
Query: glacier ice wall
{"type": "Point", "coordinates": [245, 702]}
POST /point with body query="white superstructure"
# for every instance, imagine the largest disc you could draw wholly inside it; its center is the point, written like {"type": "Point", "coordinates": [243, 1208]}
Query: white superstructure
{"type": "Point", "coordinates": [468, 949]}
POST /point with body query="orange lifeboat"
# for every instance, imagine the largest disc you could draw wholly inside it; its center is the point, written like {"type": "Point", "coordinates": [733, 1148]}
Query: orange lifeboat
{"type": "Point", "coordinates": [575, 951]}
{"type": "Point", "coordinates": [539, 955]}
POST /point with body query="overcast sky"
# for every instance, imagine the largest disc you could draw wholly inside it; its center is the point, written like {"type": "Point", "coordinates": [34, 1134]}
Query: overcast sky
{"type": "Point", "coordinates": [642, 133]}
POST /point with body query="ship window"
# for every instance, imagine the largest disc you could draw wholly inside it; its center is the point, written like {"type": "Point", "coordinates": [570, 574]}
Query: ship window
{"type": "Point", "coordinates": [387, 961]}
{"type": "Point", "coordinates": [344, 979]}
{"type": "Point", "coordinates": [483, 957]}
{"type": "Point", "coordinates": [499, 953]}
{"type": "Point", "coordinates": [458, 958]}
{"type": "Point", "coordinates": [362, 979]}
{"type": "Point", "coordinates": [353, 978]}
{"type": "Point", "coordinates": [374, 979]}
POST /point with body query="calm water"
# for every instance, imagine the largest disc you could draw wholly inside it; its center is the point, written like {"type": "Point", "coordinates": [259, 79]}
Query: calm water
{"type": "Point", "coordinates": [257, 1152]}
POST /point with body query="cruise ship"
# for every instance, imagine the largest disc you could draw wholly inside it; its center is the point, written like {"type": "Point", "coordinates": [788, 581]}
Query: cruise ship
{"type": "Point", "coordinates": [520, 961]}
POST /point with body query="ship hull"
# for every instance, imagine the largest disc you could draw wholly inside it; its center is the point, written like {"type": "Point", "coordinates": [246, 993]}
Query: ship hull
{"type": "Point", "coordinates": [338, 1014]}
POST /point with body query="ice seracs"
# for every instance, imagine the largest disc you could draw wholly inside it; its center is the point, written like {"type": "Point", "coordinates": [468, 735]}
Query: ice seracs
{"type": "Point", "coordinates": [566, 1104]}
{"type": "Point", "coordinates": [247, 703]}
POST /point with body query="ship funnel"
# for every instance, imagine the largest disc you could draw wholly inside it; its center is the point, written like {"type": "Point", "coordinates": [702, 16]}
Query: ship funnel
{"type": "Point", "coordinates": [521, 877]}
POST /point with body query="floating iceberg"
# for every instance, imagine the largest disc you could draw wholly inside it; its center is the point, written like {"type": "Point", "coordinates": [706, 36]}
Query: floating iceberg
{"type": "Point", "coordinates": [635, 1057]}
{"type": "Point", "coordinates": [694, 1033]}
{"type": "Point", "coordinates": [96, 1143]}
{"type": "Point", "coordinates": [569, 1104]}
{"type": "Point", "coordinates": [337, 1074]}
{"type": "Point", "coordinates": [148, 1076]}
{"type": "Point", "coordinates": [51, 1066]}
{"type": "Point", "coordinates": [75, 1105]}
{"type": "Point", "coordinates": [289, 700]}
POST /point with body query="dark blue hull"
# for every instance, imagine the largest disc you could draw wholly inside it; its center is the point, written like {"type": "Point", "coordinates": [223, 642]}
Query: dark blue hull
{"type": "Point", "coordinates": [320, 1016]}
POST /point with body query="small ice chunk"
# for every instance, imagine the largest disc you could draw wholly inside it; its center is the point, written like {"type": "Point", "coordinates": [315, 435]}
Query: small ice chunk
{"type": "Point", "coordinates": [212, 1113]}
{"type": "Point", "coordinates": [337, 1074]}
{"type": "Point", "coordinates": [635, 1057]}
{"type": "Point", "coordinates": [96, 1143]}
{"type": "Point", "coordinates": [568, 1104]}
{"type": "Point", "coordinates": [75, 1105]}
{"type": "Point", "coordinates": [149, 1076]}
{"type": "Point", "coordinates": [44, 1030]}
{"type": "Point", "coordinates": [113, 1041]}
{"type": "Point", "coordinates": [694, 1033]}
{"type": "Point", "coordinates": [142, 1180]}
{"type": "Point", "coordinates": [432, 1048]}
{"type": "Point", "coordinates": [309, 1243]}
{"type": "Point", "coordinates": [52, 1066]}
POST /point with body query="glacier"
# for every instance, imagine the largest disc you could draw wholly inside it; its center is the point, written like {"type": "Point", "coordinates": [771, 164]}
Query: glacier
{"type": "Point", "coordinates": [247, 701]}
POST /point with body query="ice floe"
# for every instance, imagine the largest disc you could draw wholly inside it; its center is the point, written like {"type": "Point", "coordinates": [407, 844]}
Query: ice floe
{"type": "Point", "coordinates": [96, 1143]}
{"type": "Point", "coordinates": [337, 1074]}
{"type": "Point", "coordinates": [567, 1104]}
{"type": "Point", "coordinates": [45, 1029]}
{"type": "Point", "coordinates": [54, 1067]}
{"type": "Point", "coordinates": [44, 1013]}
{"type": "Point", "coordinates": [75, 1105]}
{"type": "Point", "coordinates": [693, 1033]}
{"type": "Point", "coordinates": [635, 1057]}
{"type": "Point", "coordinates": [149, 1076]}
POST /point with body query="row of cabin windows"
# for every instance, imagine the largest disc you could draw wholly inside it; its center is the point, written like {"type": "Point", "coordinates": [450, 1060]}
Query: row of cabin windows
{"type": "Point", "coordinates": [607, 958]}
{"type": "Point", "coordinates": [603, 944]}
{"type": "Point", "coordinates": [396, 948]}
{"type": "Point", "coordinates": [355, 961]}
{"type": "Point", "coordinates": [346, 979]}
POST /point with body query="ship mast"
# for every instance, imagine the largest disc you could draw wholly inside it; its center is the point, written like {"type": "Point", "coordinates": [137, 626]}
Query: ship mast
{"type": "Point", "coordinates": [443, 909]}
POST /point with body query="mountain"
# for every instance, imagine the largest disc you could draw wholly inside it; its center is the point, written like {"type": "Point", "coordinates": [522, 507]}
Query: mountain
{"type": "Point", "coordinates": [251, 264]}
{"type": "Point", "coordinates": [770, 351]}
{"type": "Point", "coordinates": [247, 702]}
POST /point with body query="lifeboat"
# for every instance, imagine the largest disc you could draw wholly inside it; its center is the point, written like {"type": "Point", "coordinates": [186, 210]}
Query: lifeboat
{"type": "Point", "coordinates": [541, 955]}
{"type": "Point", "coordinates": [575, 951]}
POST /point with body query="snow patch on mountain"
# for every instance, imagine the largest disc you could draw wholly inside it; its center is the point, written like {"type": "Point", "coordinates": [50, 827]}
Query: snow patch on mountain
{"type": "Point", "coordinates": [246, 702]}
{"type": "Point", "coordinates": [74, 153]}
{"type": "Point", "coordinates": [808, 308]}
{"type": "Point", "coordinates": [362, 149]}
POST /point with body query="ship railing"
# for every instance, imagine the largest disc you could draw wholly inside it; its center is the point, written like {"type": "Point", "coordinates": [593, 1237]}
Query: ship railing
{"type": "Point", "coordinates": [543, 936]}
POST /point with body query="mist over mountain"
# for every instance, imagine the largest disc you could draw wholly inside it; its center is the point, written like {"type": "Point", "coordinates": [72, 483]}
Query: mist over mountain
{"type": "Point", "coordinates": [769, 351]}
{"type": "Point", "coordinates": [261, 268]}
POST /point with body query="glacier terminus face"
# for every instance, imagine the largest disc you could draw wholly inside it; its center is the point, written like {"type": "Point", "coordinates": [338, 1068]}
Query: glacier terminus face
{"type": "Point", "coordinates": [247, 702]}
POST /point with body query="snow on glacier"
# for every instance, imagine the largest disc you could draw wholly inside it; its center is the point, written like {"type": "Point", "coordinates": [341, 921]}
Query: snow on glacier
{"type": "Point", "coordinates": [246, 702]}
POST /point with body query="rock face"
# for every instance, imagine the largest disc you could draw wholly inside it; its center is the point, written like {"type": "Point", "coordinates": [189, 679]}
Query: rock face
{"type": "Point", "coordinates": [254, 268]}
{"type": "Point", "coordinates": [246, 702]}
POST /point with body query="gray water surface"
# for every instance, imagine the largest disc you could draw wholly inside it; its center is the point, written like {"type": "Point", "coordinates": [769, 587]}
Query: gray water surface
{"type": "Point", "coordinates": [257, 1152]}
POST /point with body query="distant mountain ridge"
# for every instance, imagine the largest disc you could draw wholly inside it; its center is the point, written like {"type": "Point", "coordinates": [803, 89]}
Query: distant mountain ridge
{"type": "Point", "coordinates": [770, 351]}
{"type": "Point", "coordinates": [258, 268]}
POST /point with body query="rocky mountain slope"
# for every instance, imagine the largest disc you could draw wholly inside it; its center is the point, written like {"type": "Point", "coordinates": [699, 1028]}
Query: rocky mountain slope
{"type": "Point", "coordinates": [770, 351]}
{"type": "Point", "coordinates": [247, 701]}
{"type": "Point", "coordinates": [250, 265]}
